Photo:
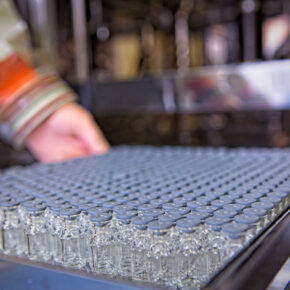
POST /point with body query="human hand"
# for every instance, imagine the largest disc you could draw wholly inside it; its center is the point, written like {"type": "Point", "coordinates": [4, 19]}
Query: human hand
{"type": "Point", "coordinates": [68, 133]}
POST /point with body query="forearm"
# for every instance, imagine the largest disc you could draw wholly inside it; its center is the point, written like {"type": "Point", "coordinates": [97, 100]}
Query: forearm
{"type": "Point", "coordinates": [36, 110]}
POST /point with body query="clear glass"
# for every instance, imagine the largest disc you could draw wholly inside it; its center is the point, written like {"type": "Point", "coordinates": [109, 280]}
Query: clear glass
{"type": "Point", "coordinates": [99, 242]}
{"type": "Point", "coordinates": [189, 259]}
{"type": "Point", "coordinates": [56, 243]}
{"type": "Point", "coordinates": [74, 243]}
{"type": "Point", "coordinates": [13, 236]}
{"type": "Point", "coordinates": [2, 218]}
{"type": "Point", "coordinates": [268, 218]}
{"type": "Point", "coordinates": [125, 250]}
{"type": "Point", "coordinates": [216, 251]}
{"type": "Point", "coordinates": [234, 244]}
{"type": "Point", "coordinates": [140, 262]}
{"type": "Point", "coordinates": [113, 248]}
{"type": "Point", "coordinates": [253, 231]}
{"type": "Point", "coordinates": [49, 218]}
{"type": "Point", "coordinates": [37, 235]}
{"type": "Point", "coordinates": [161, 263]}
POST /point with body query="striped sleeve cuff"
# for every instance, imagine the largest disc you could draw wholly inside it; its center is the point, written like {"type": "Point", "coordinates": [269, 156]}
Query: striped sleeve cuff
{"type": "Point", "coordinates": [32, 106]}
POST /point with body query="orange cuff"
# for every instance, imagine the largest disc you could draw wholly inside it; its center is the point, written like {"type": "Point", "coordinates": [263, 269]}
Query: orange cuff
{"type": "Point", "coordinates": [15, 73]}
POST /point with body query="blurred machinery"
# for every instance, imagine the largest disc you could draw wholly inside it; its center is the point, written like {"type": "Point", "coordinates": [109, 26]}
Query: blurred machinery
{"type": "Point", "coordinates": [106, 39]}
{"type": "Point", "coordinates": [137, 66]}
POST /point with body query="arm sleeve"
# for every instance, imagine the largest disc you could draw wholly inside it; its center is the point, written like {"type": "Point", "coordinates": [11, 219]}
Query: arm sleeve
{"type": "Point", "coordinates": [27, 98]}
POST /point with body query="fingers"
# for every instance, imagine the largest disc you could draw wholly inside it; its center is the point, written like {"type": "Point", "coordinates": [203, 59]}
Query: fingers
{"type": "Point", "coordinates": [68, 152]}
{"type": "Point", "coordinates": [75, 120]}
{"type": "Point", "coordinates": [69, 133]}
{"type": "Point", "coordinates": [92, 137]}
{"type": "Point", "coordinates": [48, 147]}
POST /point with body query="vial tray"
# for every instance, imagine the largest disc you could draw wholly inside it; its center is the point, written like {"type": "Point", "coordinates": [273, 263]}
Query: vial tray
{"type": "Point", "coordinates": [171, 217]}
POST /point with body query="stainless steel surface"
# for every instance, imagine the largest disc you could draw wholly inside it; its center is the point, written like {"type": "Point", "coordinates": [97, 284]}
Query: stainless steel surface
{"type": "Point", "coordinates": [80, 39]}
{"type": "Point", "coordinates": [281, 280]}
{"type": "Point", "coordinates": [22, 276]}
{"type": "Point", "coordinates": [249, 23]}
{"type": "Point", "coordinates": [38, 275]}
{"type": "Point", "coordinates": [260, 86]}
{"type": "Point", "coordinates": [42, 16]}
{"type": "Point", "coordinates": [168, 91]}
{"type": "Point", "coordinates": [250, 86]}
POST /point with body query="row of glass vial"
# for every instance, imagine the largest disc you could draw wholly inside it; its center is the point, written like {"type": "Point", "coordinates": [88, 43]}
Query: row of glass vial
{"type": "Point", "coordinates": [137, 247]}
{"type": "Point", "coordinates": [115, 248]}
